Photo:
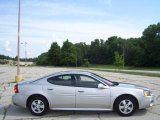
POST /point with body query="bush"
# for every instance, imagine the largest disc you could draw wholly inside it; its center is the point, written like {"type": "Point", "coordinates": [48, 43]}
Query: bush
{"type": "Point", "coordinates": [86, 63]}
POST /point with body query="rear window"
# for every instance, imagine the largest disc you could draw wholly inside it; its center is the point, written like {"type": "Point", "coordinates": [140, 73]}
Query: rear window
{"type": "Point", "coordinates": [64, 80]}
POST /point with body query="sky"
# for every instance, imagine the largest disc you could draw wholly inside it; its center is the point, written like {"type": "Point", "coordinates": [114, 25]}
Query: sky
{"type": "Point", "coordinates": [47, 21]}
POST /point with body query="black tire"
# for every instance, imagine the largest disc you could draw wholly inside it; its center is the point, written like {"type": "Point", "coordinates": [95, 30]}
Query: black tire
{"type": "Point", "coordinates": [125, 106]}
{"type": "Point", "coordinates": [38, 105]}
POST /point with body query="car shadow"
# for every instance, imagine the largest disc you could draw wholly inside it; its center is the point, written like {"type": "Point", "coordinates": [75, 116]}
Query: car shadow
{"type": "Point", "coordinates": [18, 113]}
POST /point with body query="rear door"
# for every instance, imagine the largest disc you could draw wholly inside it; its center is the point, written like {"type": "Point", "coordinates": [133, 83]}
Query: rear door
{"type": "Point", "coordinates": [62, 91]}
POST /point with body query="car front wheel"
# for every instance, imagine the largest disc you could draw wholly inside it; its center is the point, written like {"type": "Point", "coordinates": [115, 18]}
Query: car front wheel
{"type": "Point", "coordinates": [125, 106]}
{"type": "Point", "coordinates": [38, 106]}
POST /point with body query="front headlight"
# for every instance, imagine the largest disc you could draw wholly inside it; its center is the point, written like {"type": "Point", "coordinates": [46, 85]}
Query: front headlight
{"type": "Point", "coordinates": [146, 93]}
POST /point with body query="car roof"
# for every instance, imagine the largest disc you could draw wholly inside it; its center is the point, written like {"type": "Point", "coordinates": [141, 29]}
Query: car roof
{"type": "Point", "coordinates": [67, 72]}
{"type": "Point", "coordinates": [72, 72]}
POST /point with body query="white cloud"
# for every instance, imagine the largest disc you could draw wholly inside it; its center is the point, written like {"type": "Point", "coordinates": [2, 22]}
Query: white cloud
{"type": "Point", "coordinates": [46, 8]}
{"type": "Point", "coordinates": [58, 30]}
{"type": "Point", "coordinates": [7, 46]}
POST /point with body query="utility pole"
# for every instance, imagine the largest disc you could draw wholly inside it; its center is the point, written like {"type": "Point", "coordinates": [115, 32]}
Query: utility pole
{"type": "Point", "coordinates": [25, 51]}
{"type": "Point", "coordinates": [18, 76]}
{"type": "Point", "coordinates": [123, 55]}
{"type": "Point", "coordinates": [76, 58]}
{"type": "Point", "coordinates": [25, 44]}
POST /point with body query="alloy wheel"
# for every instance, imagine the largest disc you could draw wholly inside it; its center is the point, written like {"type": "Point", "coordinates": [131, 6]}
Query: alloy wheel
{"type": "Point", "coordinates": [126, 106]}
{"type": "Point", "coordinates": [37, 106]}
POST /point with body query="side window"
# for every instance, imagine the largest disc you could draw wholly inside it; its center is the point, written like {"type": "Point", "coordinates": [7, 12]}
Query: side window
{"type": "Point", "coordinates": [86, 81]}
{"type": "Point", "coordinates": [64, 80]}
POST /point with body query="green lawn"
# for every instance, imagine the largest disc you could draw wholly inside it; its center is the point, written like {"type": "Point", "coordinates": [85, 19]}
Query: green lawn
{"type": "Point", "coordinates": [128, 72]}
{"type": "Point", "coordinates": [112, 68]}
{"type": "Point", "coordinates": [125, 68]}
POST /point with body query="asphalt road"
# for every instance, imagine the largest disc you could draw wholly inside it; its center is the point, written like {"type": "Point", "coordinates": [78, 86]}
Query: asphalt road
{"type": "Point", "coordinates": [12, 112]}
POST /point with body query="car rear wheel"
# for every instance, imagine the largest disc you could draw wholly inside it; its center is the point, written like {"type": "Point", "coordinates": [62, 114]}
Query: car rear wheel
{"type": "Point", "coordinates": [38, 106]}
{"type": "Point", "coordinates": [125, 106]}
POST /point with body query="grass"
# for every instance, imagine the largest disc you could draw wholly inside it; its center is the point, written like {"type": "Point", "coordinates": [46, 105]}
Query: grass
{"type": "Point", "coordinates": [128, 72]}
{"type": "Point", "coordinates": [125, 68]}
{"type": "Point", "coordinates": [112, 68]}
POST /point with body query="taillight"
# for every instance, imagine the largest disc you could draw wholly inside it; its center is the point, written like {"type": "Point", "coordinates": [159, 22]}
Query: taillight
{"type": "Point", "coordinates": [16, 88]}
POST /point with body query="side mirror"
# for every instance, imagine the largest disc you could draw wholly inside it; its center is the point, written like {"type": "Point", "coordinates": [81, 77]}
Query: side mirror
{"type": "Point", "coordinates": [101, 86]}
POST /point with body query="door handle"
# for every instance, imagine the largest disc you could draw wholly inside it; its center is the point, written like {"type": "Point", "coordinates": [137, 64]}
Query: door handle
{"type": "Point", "coordinates": [81, 91]}
{"type": "Point", "coordinates": [49, 89]}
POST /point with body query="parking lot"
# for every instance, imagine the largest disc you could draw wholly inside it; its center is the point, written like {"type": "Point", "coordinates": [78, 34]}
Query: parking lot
{"type": "Point", "coordinates": [8, 111]}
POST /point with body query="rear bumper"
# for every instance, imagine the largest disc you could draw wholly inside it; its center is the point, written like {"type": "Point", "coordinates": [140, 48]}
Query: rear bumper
{"type": "Point", "coordinates": [19, 100]}
{"type": "Point", "coordinates": [146, 102]}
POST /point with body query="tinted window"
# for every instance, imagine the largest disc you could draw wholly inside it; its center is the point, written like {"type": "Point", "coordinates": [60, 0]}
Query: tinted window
{"type": "Point", "coordinates": [64, 80]}
{"type": "Point", "coordinates": [108, 82]}
{"type": "Point", "coordinates": [86, 81]}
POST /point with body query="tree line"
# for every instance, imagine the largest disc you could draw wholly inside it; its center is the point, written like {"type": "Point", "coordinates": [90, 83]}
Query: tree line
{"type": "Point", "coordinates": [142, 52]}
{"type": "Point", "coordinates": [2, 57]}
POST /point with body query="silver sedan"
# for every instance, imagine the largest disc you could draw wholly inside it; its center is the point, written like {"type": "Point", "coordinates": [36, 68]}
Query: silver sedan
{"type": "Point", "coordinates": [80, 90]}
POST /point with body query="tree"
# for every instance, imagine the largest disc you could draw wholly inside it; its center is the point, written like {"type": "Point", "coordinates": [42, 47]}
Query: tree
{"type": "Point", "coordinates": [79, 53]}
{"type": "Point", "coordinates": [82, 52]}
{"type": "Point", "coordinates": [86, 63]}
{"type": "Point", "coordinates": [151, 38]}
{"type": "Point", "coordinates": [69, 55]}
{"type": "Point", "coordinates": [5, 57]}
{"type": "Point", "coordinates": [114, 44]}
{"type": "Point", "coordinates": [118, 59]}
{"type": "Point", "coordinates": [42, 59]}
{"type": "Point", "coordinates": [134, 52]}
{"type": "Point", "coordinates": [54, 54]}
{"type": "Point", "coordinates": [94, 53]}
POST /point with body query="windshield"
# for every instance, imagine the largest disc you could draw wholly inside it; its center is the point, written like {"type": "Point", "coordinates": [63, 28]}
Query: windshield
{"type": "Point", "coordinates": [108, 82]}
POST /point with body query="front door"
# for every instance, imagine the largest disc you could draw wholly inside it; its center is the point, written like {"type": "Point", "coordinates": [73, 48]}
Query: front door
{"type": "Point", "coordinates": [88, 95]}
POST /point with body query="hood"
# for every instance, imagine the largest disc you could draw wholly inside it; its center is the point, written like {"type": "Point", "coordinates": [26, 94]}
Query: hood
{"type": "Point", "coordinates": [128, 85]}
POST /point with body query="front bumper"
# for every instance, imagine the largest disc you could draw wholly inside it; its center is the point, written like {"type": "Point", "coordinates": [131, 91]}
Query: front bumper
{"type": "Point", "coordinates": [19, 100]}
{"type": "Point", "coordinates": [146, 102]}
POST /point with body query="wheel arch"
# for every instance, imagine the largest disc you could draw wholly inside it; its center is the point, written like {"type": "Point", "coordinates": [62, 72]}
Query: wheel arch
{"type": "Point", "coordinates": [36, 95]}
{"type": "Point", "coordinates": [137, 103]}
